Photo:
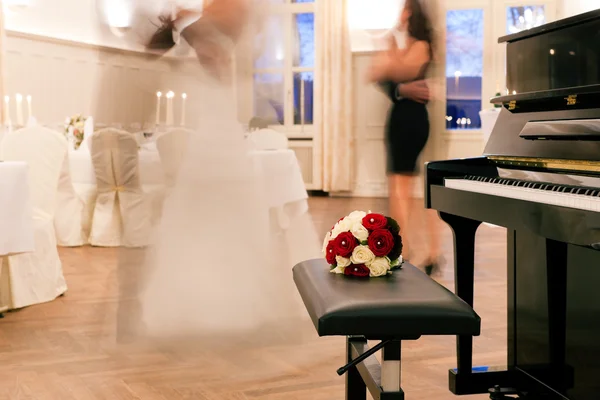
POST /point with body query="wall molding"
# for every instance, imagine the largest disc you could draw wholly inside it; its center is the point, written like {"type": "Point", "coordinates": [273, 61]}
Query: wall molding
{"type": "Point", "coordinates": [114, 86]}
{"type": "Point", "coordinates": [93, 46]}
{"type": "Point", "coordinates": [463, 136]}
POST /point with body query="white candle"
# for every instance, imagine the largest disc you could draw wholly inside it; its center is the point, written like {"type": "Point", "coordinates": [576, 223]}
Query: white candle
{"type": "Point", "coordinates": [29, 109]}
{"type": "Point", "coordinates": [7, 110]}
{"type": "Point", "coordinates": [183, 98]}
{"type": "Point", "coordinates": [19, 109]}
{"type": "Point", "coordinates": [170, 96]}
{"type": "Point", "coordinates": [158, 97]}
{"type": "Point", "coordinates": [457, 76]}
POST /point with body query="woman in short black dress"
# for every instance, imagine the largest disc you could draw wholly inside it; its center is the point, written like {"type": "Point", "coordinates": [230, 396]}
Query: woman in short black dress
{"type": "Point", "coordinates": [407, 130]}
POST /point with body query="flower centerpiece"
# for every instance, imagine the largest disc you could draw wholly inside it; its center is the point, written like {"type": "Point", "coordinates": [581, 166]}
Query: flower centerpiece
{"type": "Point", "coordinates": [74, 130]}
{"type": "Point", "coordinates": [364, 245]}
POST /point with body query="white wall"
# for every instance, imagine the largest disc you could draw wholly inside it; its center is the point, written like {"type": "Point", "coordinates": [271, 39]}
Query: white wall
{"type": "Point", "coordinates": [113, 86]}
{"type": "Point", "coordinates": [73, 20]}
{"type": "Point", "coordinates": [574, 7]}
{"type": "Point", "coordinates": [365, 20]}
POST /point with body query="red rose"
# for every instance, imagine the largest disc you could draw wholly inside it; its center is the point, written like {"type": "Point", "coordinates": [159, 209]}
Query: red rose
{"type": "Point", "coordinates": [330, 252]}
{"type": "Point", "coordinates": [374, 221]}
{"type": "Point", "coordinates": [381, 242]}
{"type": "Point", "coordinates": [345, 244]}
{"type": "Point", "coordinates": [359, 270]}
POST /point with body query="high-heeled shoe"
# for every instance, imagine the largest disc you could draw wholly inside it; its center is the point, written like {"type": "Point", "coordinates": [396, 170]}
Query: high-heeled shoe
{"type": "Point", "coordinates": [432, 267]}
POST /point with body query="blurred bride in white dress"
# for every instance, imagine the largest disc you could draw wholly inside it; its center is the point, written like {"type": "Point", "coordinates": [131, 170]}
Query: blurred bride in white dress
{"type": "Point", "coordinates": [216, 269]}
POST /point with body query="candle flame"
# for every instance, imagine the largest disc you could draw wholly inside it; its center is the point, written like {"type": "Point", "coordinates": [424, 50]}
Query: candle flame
{"type": "Point", "coordinates": [28, 97]}
{"type": "Point", "coordinates": [19, 97]}
{"type": "Point", "coordinates": [184, 95]}
{"type": "Point", "coordinates": [170, 95]}
{"type": "Point", "coordinates": [158, 94]}
{"type": "Point", "coordinates": [7, 99]}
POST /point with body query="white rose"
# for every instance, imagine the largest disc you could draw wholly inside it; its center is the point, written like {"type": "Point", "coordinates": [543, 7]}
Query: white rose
{"type": "Point", "coordinates": [342, 262]}
{"type": "Point", "coordinates": [379, 267]}
{"type": "Point", "coordinates": [342, 226]}
{"type": "Point", "coordinates": [338, 270]}
{"type": "Point", "coordinates": [357, 216]}
{"type": "Point", "coordinates": [360, 232]}
{"type": "Point", "coordinates": [362, 255]}
{"type": "Point", "coordinates": [326, 242]}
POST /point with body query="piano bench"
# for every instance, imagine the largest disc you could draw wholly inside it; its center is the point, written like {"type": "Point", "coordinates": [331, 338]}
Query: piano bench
{"type": "Point", "coordinates": [403, 306]}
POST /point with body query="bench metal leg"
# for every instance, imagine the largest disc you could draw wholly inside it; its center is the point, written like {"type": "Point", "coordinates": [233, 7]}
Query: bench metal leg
{"type": "Point", "coordinates": [356, 389]}
{"type": "Point", "coordinates": [391, 372]}
{"type": "Point", "coordinates": [382, 380]}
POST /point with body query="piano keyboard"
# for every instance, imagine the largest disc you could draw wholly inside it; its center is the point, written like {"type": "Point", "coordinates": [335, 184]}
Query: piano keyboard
{"type": "Point", "coordinates": [538, 192]}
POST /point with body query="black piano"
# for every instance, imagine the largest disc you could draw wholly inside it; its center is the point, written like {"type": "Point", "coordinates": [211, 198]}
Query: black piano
{"type": "Point", "coordinates": [540, 178]}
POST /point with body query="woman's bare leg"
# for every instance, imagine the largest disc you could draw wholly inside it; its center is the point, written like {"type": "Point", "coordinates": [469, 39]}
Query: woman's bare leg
{"type": "Point", "coordinates": [400, 190]}
{"type": "Point", "coordinates": [433, 227]}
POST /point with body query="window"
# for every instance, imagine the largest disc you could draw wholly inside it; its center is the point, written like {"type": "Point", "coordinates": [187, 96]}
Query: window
{"type": "Point", "coordinates": [464, 68]}
{"type": "Point", "coordinates": [520, 18]}
{"type": "Point", "coordinates": [284, 62]}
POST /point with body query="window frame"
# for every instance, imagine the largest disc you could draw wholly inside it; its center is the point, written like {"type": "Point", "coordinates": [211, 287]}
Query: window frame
{"type": "Point", "coordinates": [488, 64]}
{"type": "Point", "coordinates": [289, 10]}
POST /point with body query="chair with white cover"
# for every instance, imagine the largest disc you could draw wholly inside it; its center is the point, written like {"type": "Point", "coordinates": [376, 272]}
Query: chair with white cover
{"type": "Point", "coordinates": [172, 147]}
{"type": "Point", "coordinates": [122, 215]}
{"type": "Point", "coordinates": [73, 214]}
{"type": "Point", "coordinates": [268, 139]}
{"type": "Point", "coordinates": [37, 277]}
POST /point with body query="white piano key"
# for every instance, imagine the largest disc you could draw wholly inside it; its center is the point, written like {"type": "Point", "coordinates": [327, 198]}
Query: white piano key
{"type": "Point", "coordinates": [562, 199]}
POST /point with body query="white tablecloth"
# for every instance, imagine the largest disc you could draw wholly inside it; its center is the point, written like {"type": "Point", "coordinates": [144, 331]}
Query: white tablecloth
{"type": "Point", "coordinates": [283, 178]}
{"type": "Point", "coordinates": [16, 214]}
{"type": "Point", "coordinates": [284, 184]}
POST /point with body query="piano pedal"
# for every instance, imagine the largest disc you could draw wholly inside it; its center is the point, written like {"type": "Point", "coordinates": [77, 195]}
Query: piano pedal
{"type": "Point", "coordinates": [500, 393]}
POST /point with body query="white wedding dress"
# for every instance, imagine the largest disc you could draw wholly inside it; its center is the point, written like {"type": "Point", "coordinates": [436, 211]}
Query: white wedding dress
{"type": "Point", "coordinates": [216, 269]}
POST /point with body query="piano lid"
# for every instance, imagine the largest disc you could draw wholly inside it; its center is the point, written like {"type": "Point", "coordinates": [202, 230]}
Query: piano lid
{"type": "Point", "coordinates": [555, 66]}
{"type": "Point", "coordinates": [551, 26]}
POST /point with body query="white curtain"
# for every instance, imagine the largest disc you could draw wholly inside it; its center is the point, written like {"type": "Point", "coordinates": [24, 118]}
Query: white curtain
{"type": "Point", "coordinates": [2, 61]}
{"type": "Point", "coordinates": [333, 95]}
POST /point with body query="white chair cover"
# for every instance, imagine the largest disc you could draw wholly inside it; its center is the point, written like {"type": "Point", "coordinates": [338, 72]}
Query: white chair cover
{"type": "Point", "coordinates": [122, 215]}
{"type": "Point", "coordinates": [73, 214]}
{"type": "Point", "coordinates": [37, 277]}
{"type": "Point", "coordinates": [268, 139]}
{"type": "Point", "coordinates": [172, 147]}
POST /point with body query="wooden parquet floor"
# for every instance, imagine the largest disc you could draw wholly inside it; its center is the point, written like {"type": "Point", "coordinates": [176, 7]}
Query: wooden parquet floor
{"type": "Point", "coordinates": [67, 349]}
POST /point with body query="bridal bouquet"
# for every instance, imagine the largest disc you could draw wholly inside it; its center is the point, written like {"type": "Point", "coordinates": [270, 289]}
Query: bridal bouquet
{"type": "Point", "coordinates": [364, 245]}
{"type": "Point", "coordinates": [74, 130]}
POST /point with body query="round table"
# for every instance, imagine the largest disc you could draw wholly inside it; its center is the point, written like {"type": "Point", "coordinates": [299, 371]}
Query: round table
{"type": "Point", "coordinates": [284, 184]}
{"type": "Point", "coordinates": [16, 214]}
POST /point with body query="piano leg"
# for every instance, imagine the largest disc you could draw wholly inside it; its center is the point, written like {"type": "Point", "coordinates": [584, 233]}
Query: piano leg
{"type": "Point", "coordinates": [464, 230]}
{"type": "Point", "coordinates": [466, 380]}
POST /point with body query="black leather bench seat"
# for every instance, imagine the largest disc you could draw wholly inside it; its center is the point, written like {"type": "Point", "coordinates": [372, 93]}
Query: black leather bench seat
{"type": "Point", "coordinates": [405, 304]}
